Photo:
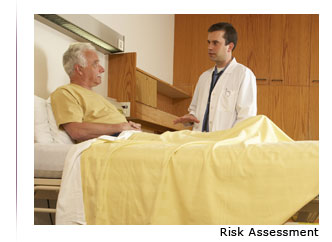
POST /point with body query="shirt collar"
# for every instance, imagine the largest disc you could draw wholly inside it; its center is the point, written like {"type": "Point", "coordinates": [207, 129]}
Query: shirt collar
{"type": "Point", "coordinates": [229, 67]}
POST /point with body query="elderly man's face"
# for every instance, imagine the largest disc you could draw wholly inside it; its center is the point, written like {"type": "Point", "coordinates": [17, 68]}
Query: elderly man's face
{"type": "Point", "coordinates": [93, 70]}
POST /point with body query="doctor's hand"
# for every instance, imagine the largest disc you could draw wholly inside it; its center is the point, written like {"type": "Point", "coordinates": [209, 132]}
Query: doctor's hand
{"type": "Point", "coordinates": [188, 118]}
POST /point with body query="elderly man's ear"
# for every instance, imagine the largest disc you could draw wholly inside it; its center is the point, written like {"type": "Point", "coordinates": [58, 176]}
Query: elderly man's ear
{"type": "Point", "coordinates": [78, 69]}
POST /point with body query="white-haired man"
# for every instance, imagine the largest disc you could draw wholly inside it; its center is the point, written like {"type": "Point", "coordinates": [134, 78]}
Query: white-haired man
{"type": "Point", "coordinates": [81, 112]}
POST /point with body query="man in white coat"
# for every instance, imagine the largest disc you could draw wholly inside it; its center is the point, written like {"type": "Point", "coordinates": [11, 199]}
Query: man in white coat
{"type": "Point", "coordinates": [225, 94]}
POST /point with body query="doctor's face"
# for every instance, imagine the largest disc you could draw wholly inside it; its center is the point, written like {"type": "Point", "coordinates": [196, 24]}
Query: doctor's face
{"type": "Point", "coordinates": [218, 51]}
{"type": "Point", "coordinates": [93, 70]}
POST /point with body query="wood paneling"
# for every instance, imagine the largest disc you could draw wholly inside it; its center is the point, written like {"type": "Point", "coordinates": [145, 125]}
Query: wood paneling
{"type": "Point", "coordinates": [314, 113]}
{"type": "Point", "coordinates": [314, 60]}
{"type": "Point", "coordinates": [298, 43]}
{"type": "Point", "coordinates": [180, 106]}
{"type": "Point", "coordinates": [314, 80]}
{"type": "Point", "coordinates": [277, 50]}
{"type": "Point", "coordinates": [290, 49]}
{"type": "Point", "coordinates": [121, 74]}
{"type": "Point", "coordinates": [253, 47]}
{"type": "Point", "coordinates": [276, 113]}
{"type": "Point", "coordinates": [241, 23]}
{"type": "Point", "coordinates": [296, 106]}
{"type": "Point", "coordinates": [165, 103]}
{"type": "Point", "coordinates": [146, 89]}
{"type": "Point", "coordinates": [258, 47]}
{"type": "Point", "coordinates": [182, 47]}
{"type": "Point", "coordinates": [289, 110]}
{"type": "Point", "coordinates": [263, 99]}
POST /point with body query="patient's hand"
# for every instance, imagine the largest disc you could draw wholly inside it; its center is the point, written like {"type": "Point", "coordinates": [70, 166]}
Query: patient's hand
{"type": "Point", "coordinates": [131, 126]}
{"type": "Point", "coordinates": [136, 126]}
{"type": "Point", "coordinates": [188, 118]}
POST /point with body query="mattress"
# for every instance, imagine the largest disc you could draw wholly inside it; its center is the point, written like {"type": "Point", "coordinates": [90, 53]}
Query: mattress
{"type": "Point", "coordinates": [50, 159]}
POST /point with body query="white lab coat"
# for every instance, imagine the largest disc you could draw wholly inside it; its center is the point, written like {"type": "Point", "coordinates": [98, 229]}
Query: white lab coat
{"type": "Point", "coordinates": [234, 97]}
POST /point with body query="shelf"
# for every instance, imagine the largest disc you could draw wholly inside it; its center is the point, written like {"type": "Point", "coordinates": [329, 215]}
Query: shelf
{"type": "Point", "coordinates": [156, 117]}
{"type": "Point", "coordinates": [153, 102]}
{"type": "Point", "coordinates": [166, 88]}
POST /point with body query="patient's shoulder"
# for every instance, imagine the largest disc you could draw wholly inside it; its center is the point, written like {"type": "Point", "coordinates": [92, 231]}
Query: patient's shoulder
{"type": "Point", "coordinates": [71, 89]}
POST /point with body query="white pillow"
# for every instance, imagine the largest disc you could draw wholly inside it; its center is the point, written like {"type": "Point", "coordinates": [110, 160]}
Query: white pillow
{"type": "Point", "coordinates": [59, 136]}
{"type": "Point", "coordinates": [42, 132]}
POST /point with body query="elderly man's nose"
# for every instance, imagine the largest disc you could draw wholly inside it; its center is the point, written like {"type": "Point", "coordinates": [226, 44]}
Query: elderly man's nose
{"type": "Point", "coordinates": [101, 69]}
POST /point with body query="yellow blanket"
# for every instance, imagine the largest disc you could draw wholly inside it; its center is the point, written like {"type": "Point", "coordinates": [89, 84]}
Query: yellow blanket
{"type": "Point", "coordinates": [250, 174]}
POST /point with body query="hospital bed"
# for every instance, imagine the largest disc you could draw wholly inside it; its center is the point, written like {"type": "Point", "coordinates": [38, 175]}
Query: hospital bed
{"type": "Point", "coordinates": [50, 149]}
{"type": "Point", "coordinates": [251, 174]}
{"type": "Point", "coordinates": [51, 146]}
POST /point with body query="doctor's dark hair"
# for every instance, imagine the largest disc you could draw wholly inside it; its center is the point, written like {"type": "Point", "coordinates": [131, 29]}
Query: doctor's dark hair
{"type": "Point", "coordinates": [230, 32]}
{"type": "Point", "coordinates": [75, 55]}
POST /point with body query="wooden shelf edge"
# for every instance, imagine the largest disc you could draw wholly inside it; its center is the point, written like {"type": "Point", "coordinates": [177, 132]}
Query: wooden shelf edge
{"type": "Point", "coordinates": [166, 88]}
{"type": "Point", "coordinates": [157, 117]}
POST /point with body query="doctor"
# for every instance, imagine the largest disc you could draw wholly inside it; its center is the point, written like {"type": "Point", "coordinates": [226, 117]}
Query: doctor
{"type": "Point", "coordinates": [225, 94]}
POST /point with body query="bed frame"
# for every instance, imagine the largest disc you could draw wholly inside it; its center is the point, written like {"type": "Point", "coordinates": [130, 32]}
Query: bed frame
{"type": "Point", "coordinates": [46, 188]}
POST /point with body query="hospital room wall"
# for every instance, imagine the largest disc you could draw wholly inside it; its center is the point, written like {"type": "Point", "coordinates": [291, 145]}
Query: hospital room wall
{"type": "Point", "coordinates": [151, 36]}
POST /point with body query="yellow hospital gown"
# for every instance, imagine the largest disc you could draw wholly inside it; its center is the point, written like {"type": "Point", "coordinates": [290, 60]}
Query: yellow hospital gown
{"type": "Point", "coordinates": [73, 103]}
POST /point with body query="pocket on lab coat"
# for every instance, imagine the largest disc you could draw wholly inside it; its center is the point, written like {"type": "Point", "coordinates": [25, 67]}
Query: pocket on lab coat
{"type": "Point", "coordinates": [228, 100]}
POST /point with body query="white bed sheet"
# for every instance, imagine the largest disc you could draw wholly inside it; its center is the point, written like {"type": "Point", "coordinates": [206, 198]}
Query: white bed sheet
{"type": "Point", "coordinates": [49, 159]}
{"type": "Point", "coordinates": [70, 207]}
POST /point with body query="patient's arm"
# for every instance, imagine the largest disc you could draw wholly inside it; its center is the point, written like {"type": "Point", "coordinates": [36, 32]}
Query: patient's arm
{"type": "Point", "coordinates": [188, 118]}
{"type": "Point", "coordinates": [84, 131]}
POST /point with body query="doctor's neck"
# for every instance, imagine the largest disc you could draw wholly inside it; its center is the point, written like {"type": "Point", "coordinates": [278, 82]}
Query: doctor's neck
{"type": "Point", "coordinates": [221, 64]}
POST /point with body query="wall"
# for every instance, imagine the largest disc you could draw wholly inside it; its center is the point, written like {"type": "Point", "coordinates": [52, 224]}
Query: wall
{"type": "Point", "coordinates": [50, 45]}
{"type": "Point", "coordinates": [151, 36]}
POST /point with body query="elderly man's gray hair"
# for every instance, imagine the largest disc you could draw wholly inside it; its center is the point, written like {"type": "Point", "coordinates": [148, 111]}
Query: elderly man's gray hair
{"type": "Point", "coordinates": [75, 55]}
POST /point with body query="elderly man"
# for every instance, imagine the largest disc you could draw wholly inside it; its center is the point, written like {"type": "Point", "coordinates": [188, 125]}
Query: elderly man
{"type": "Point", "coordinates": [226, 93]}
{"type": "Point", "coordinates": [81, 112]}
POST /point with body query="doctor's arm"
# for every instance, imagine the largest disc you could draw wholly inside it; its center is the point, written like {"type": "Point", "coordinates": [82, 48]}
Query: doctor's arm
{"type": "Point", "coordinates": [246, 105]}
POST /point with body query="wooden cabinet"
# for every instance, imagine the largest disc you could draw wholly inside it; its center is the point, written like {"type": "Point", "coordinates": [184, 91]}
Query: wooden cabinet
{"type": "Point", "coordinates": [289, 107]}
{"type": "Point", "coordinates": [146, 89]}
{"type": "Point", "coordinates": [314, 47]}
{"type": "Point", "coordinates": [314, 113]}
{"type": "Point", "coordinates": [314, 80]}
{"type": "Point", "coordinates": [293, 106]}
{"type": "Point", "coordinates": [282, 51]}
{"type": "Point", "coordinates": [290, 49]}
{"type": "Point", "coordinates": [152, 101]}
{"type": "Point", "coordinates": [259, 45]}
{"type": "Point", "coordinates": [253, 48]}
{"type": "Point", "coordinates": [263, 94]}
